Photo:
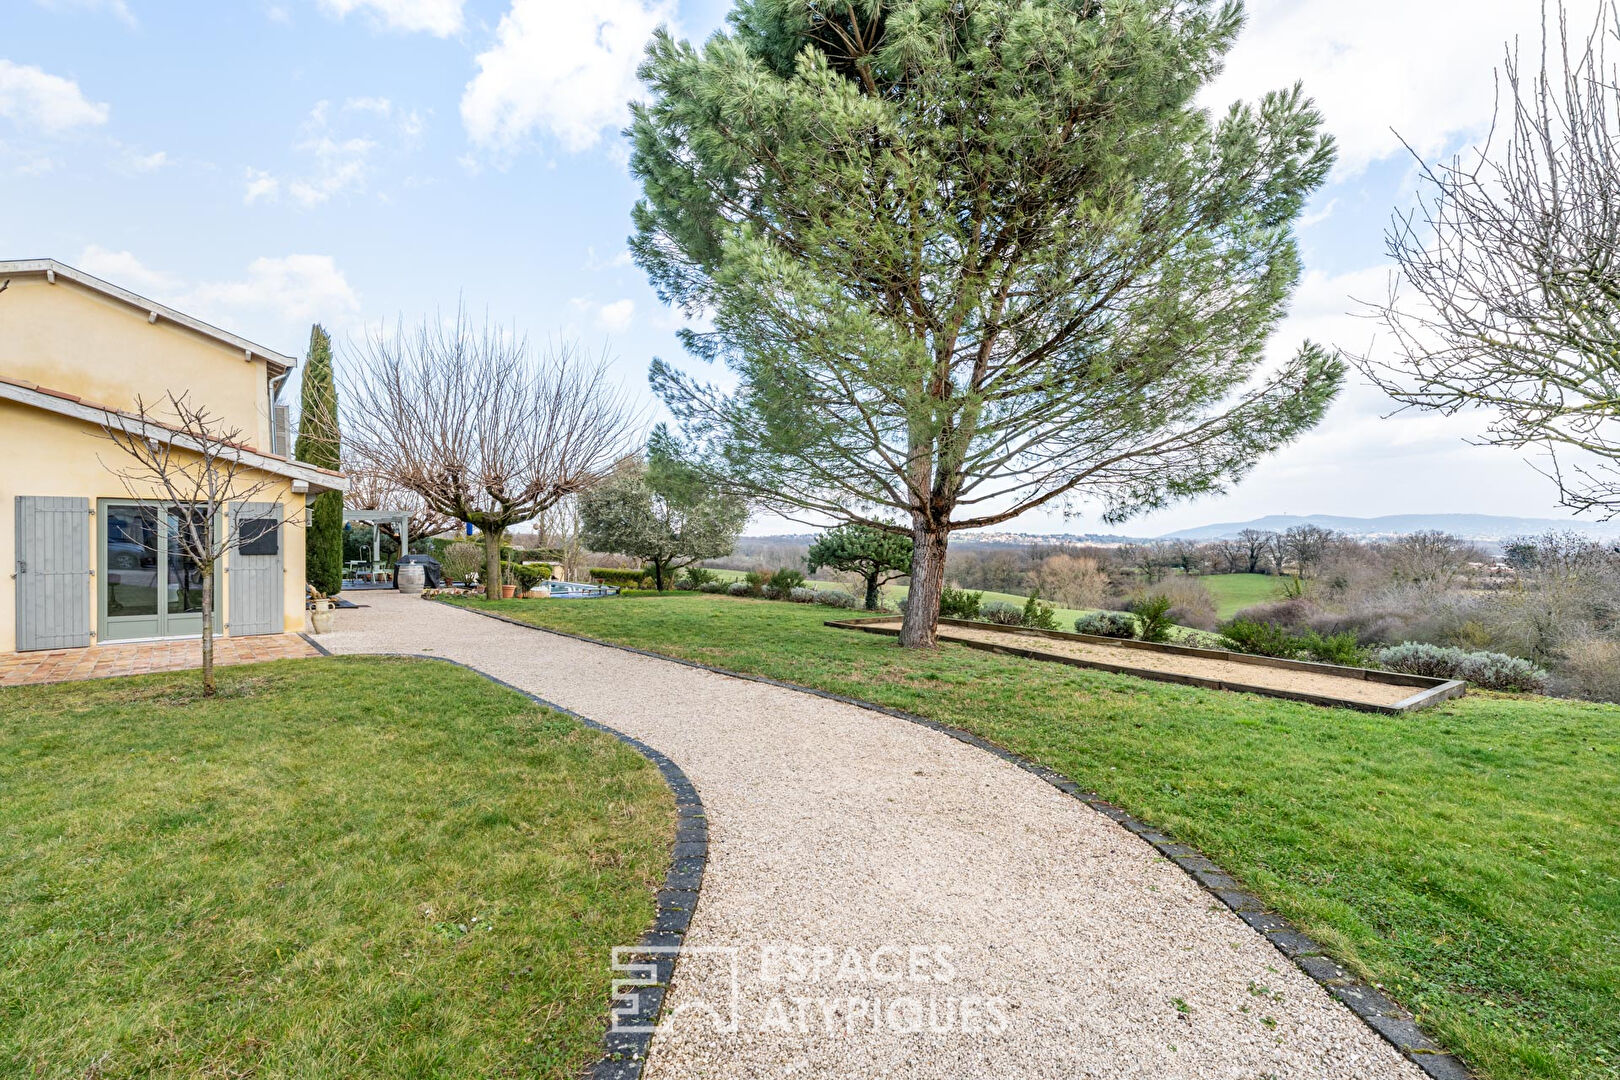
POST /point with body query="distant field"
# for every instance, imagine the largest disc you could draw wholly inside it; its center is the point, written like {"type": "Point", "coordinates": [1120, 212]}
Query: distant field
{"type": "Point", "coordinates": [1234, 592]}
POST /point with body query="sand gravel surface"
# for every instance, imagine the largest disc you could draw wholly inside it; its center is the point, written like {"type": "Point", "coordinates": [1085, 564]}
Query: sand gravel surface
{"type": "Point", "coordinates": [884, 901]}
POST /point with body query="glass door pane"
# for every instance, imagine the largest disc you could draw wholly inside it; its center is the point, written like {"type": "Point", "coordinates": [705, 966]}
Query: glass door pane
{"type": "Point", "coordinates": [183, 584]}
{"type": "Point", "coordinates": [131, 578]}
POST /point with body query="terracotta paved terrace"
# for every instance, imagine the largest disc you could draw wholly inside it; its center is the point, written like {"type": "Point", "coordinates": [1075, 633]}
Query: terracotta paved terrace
{"type": "Point", "coordinates": [144, 657]}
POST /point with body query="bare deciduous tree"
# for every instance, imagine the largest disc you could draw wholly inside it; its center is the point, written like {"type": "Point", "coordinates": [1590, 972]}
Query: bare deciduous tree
{"type": "Point", "coordinates": [1256, 548]}
{"type": "Point", "coordinates": [1515, 262]}
{"type": "Point", "coordinates": [481, 428]}
{"type": "Point", "coordinates": [1306, 546]}
{"type": "Point", "coordinates": [181, 458]}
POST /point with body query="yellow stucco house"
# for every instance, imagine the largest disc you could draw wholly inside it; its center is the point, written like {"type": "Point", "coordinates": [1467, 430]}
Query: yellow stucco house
{"type": "Point", "coordinates": [89, 561]}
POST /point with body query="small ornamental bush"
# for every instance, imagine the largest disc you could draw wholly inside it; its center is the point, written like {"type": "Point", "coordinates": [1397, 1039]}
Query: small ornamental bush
{"type": "Point", "coordinates": [802, 595]}
{"type": "Point", "coordinates": [1038, 615]}
{"type": "Point", "coordinates": [740, 588]}
{"type": "Point", "coordinates": [712, 587]}
{"type": "Point", "coordinates": [1114, 624]}
{"type": "Point", "coordinates": [1486, 670]}
{"type": "Point", "coordinates": [1341, 648]}
{"type": "Point", "coordinates": [697, 576]}
{"type": "Point", "coordinates": [1002, 613]}
{"type": "Point", "coordinates": [784, 581]}
{"type": "Point", "coordinates": [1153, 613]}
{"type": "Point", "coordinates": [685, 586]}
{"type": "Point", "coordinates": [756, 580]}
{"type": "Point", "coordinates": [959, 604]}
{"type": "Point", "coordinates": [529, 575]}
{"type": "Point", "coordinates": [1259, 639]}
{"type": "Point", "coordinates": [837, 598]}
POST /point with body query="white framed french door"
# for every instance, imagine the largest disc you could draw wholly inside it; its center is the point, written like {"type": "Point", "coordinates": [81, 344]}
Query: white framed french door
{"type": "Point", "coordinates": [149, 588]}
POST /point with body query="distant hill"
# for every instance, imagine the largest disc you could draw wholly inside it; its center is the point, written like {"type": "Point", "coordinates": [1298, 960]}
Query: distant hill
{"type": "Point", "coordinates": [1467, 526]}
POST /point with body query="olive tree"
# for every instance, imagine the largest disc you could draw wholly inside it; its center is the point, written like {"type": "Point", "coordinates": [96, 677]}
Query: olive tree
{"type": "Point", "coordinates": [967, 260]}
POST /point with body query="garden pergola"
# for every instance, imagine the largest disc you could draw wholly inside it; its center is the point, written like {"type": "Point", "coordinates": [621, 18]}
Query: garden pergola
{"type": "Point", "coordinates": [400, 519]}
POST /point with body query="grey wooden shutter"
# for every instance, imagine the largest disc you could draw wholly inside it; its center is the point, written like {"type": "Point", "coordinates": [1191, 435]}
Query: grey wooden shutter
{"type": "Point", "coordinates": [255, 580]}
{"type": "Point", "coordinates": [53, 572]}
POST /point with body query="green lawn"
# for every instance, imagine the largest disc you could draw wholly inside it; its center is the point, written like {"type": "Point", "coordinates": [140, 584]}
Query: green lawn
{"type": "Point", "coordinates": [337, 868]}
{"type": "Point", "coordinates": [1234, 592]}
{"type": "Point", "coordinates": [1467, 858]}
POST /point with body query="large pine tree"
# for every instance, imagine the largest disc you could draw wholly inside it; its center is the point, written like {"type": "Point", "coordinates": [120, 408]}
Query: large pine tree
{"type": "Point", "coordinates": [319, 443]}
{"type": "Point", "coordinates": [970, 258]}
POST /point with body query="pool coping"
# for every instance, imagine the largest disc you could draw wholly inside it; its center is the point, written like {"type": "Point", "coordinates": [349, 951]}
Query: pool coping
{"type": "Point", "coordinates": [1394, 1024]}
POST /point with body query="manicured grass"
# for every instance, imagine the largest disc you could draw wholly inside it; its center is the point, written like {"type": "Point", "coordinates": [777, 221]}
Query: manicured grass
{"type": "Point", "coordinates": [1466, 858]}
{"type": "Point", "coordinates": [1234, 592]}
{"type": "Point", "coordinates": [337, 868]}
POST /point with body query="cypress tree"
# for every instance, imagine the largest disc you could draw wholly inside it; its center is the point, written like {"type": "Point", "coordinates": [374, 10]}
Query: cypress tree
{"type": "Point", "coordinates": [319, 444]}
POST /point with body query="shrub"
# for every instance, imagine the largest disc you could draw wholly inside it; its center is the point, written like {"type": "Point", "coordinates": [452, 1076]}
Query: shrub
{"type": "Point", "coordinates": [529, 576]}
{"type": "Point", "coordinates": [1114, 624]}
{"type": "Point", "coordinates": [712, 587]}
{"type": "Point", "coordinates": [802, 595]}
{"type": "Point", "coordinates": [740, 588]}
{"type": "Point", "coordinates": [958, 604]}
{"type": "Point", "coordinates": [1293, 616]}
{"type": "Point", "coordinates": [1190, 601]}
{"type": "Point", "coordinates": [1153, 613]}
{"type": "Point", "coordinates": [1333, 649]}
{"type": "Point", "coordinates": [462, 560]}
{"type": "Point", "coordinates": [698, 576]}
{"type": "Point", "coordinates": [1486, 670]}
{"type": "Point", "coordinates": [624, 578]}
{"type": "Point", "coordinates": [1002, 613]}
{"type": "Point", "coordinates": [1037, 614]}
{"type": "Point", "coordinates": [1259, 638]}
{"type": "Point", "coordinates": [837, 598]}
{"type": "Point", "coordinates": [685, 586]}
{"type": "Point", "coordinates": [786, 579]}
{"type": "Point", "coordinates": [1591, 668]}
{"type": "Point", "coordinates": [755, 580]}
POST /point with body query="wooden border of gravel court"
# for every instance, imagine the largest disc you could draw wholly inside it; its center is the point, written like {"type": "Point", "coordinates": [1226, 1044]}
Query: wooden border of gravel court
{"type": "Point", "coordinates": [1430, 692]}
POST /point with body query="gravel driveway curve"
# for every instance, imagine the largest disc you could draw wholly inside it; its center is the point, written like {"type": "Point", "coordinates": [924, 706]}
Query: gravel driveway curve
{"type": "Point", "coordinates": [884, 901]}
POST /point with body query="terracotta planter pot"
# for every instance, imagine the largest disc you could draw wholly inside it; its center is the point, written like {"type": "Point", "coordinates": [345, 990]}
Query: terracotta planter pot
{"type": "Point", "coordinates": [508, 591]}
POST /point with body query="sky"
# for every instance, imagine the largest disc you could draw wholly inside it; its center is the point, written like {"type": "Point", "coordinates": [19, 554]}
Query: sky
{"type": "Point", "coordinates": [263, 164]}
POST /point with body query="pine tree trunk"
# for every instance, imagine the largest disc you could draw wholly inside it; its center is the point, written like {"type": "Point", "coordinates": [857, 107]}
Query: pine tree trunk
{"type": "Point", "coordinates": [208, 632]}
{"type": "Point", "coordinates": [492, 563]}
{"type": "Point", "coordinates": [872, 591]}
{"type": "Point", "coordinates": [920, 628]}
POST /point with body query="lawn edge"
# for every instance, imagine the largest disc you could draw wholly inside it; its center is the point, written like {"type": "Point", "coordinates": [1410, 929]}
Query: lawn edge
{"type": "Point", "coordinates": [624, 1053]}
{"type": "Point", "coordinates": [1394, 1024]}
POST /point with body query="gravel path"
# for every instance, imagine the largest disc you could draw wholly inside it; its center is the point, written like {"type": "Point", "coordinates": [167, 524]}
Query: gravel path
{"type": "Point", "coordinates": [1227, 671]}
{"type": "Point", "coordinates": [899, 904]}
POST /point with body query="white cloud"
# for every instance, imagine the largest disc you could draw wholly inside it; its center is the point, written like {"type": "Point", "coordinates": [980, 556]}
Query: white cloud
{"type": "Point", "coordinates": [294, 287]}
{"type": "Point", "coordinates": [33, 98]}
{"type": "Point", "coordinates": [617, 315]}
{"type": "Point", "coordinates": [566, 70]}
{"type": "Point", "coordinates": [1423, 69]}
{"type": "Point", "coordinates": [144, 163]}
{"type": "Point", "coordinates": [618, 260]}
{"type": "Point", "coordinates": [287, 291]}
{"type": "Point", "coordinates": [124, 269]}
{"type": "Point", "coordinates": [441, 18]}
{"type": "Point", "coordinates": [342, 157]}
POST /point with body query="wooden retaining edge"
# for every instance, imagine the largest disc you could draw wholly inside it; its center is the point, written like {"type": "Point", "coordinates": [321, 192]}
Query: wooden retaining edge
{"type": "Point", "coordinates": [1431, 692]}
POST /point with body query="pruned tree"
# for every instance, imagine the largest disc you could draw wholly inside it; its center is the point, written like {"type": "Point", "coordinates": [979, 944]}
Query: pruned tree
{"type": "Point", "coordinates": [659, 511]}
{"type": "Point", "coordinates": [320, 443]}
{"type": "Point", "coordinates": [181, 458]}
{"type": "Point", "coordinates": [481, 428]}
{"type": "Point", "coordinates": [1507, 297]}
{"type": "Point", "coordinates": [877, 555]}
{"type": "Point", "coordinates": [969, 260]}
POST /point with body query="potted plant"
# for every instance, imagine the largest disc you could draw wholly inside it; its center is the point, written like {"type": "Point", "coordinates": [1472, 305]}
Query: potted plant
{"type": "Point", "coordinates": [508, 582]}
